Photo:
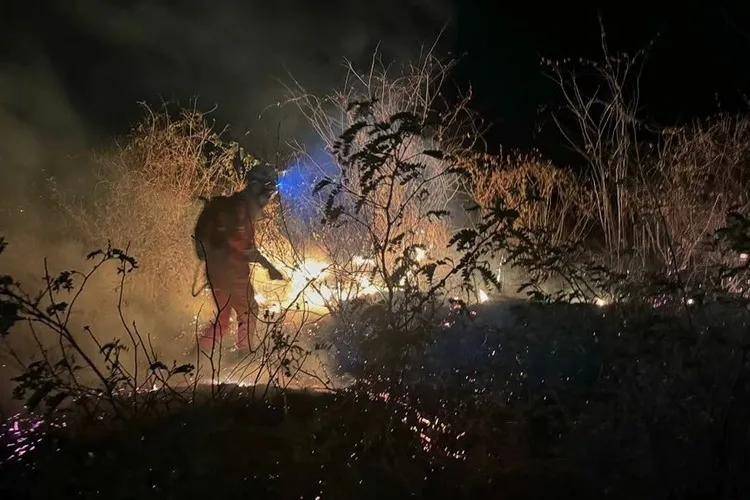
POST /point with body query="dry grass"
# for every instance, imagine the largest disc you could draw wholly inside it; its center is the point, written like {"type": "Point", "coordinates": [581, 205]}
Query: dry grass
{"type": "Point", "coordinates": [655, 202]}
{"type": "Point", "coordinates": [414, 88]}
{"type": "Point", "coordinates": [700, 173]}
{"type": "Point", "coordinates": [148, 189]}
{"type": "Point", "coordinates": [548, 198]}
{"type": "Point", "coordinates": [640, 205]}
{"type": "Point", "coordinates": [147, 197]}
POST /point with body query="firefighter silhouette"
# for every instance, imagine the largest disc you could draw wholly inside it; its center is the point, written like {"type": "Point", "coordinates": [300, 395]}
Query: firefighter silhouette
{"type": "Point", "coordinates": [225, 240]}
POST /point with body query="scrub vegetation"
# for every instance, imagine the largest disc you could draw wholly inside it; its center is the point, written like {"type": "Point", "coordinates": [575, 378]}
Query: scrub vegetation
{"type": "Point", "coordinates": [455, 323]}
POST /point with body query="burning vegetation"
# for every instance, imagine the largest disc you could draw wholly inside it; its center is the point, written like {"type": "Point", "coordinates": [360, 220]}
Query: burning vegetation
{"type": "Point", "coordinates": [469, 320]}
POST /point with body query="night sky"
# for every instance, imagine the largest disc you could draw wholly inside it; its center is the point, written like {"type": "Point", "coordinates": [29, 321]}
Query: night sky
{"type": "Point", "coordinates": [697, 65]}
{"type": "Point", "coordinates": [72, 73]}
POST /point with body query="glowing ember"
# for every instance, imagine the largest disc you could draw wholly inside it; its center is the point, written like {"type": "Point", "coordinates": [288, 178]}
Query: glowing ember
{"type": "Point", "coordinates": [424, 427]}
{"type": "Point", "coordinates": [21, 434]}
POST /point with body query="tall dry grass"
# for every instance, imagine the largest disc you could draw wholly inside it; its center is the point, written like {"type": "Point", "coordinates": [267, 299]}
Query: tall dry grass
{"type": "Point", "coordinates": [149, 192]}
{"type": "Point", "coordinates": [550, 200]}
{"type": "Point", "coordinates": [658, 193]}
{"type": "Point", "coordinates": [699, 173]}
{"type": "Point", "coordinates": [147, 197]}
{"type": "Point", "coordinates": [416, 88]}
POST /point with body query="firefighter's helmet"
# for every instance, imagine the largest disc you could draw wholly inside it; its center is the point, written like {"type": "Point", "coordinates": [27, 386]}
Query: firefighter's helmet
{"type": "Point", "coordinates": [262, 185]}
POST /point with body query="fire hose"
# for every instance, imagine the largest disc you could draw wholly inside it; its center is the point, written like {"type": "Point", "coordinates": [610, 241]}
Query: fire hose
{"type": "Point", "coordinates": [195, 280]}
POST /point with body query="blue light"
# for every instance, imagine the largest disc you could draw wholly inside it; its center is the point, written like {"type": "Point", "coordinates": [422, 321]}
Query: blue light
{"type": "Point", "coordinates": [295, 182]}
{"type": "Point", "coordinates": [298, 180]}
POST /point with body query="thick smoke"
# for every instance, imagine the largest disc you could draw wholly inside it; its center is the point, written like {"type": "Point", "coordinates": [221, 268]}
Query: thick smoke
{"type": "Point", "coordinates": [72, 74]}
{"type": "Point", "coordinates": [231, 53]}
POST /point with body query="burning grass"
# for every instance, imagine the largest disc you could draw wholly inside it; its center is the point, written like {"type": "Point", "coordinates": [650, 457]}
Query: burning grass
{"type": "Point", "coordinates": [414, 89]}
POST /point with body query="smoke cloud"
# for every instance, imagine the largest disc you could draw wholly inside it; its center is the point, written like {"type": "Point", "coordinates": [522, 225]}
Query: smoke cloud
{"type": "Point", "coordinates": [232, 54]}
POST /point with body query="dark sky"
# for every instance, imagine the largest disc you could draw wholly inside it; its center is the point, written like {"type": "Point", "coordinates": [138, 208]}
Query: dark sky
{"type": "Point", "coordinates": [700, 56]}
{"type": "Point", "coordinates": [72, 72]}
